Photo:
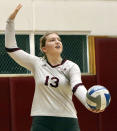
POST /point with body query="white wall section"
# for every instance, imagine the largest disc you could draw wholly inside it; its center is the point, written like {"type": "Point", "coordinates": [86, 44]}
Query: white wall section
{"type": "Point", "coordinates": [97, 17]}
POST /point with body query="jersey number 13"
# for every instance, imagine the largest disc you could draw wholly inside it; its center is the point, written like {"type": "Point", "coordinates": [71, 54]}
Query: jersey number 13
{"type": "Point", "coordinates": [54, 81]}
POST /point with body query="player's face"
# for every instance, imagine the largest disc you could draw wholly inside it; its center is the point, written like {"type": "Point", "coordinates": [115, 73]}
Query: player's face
{"type": "Point", "coordinates": [53, 45]}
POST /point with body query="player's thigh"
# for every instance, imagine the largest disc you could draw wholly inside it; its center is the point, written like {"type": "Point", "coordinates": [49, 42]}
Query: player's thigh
{"type": "Point", "coordinates": [74, 129]}
{"type": "Point", "coordinates": [39, 128]}
{"type": "Point", "coordinates": [67, 124]}
{"type": "Point", "coordinates": [73, 125]}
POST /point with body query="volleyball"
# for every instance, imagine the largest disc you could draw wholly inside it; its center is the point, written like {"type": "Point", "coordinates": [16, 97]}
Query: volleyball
{"type": "Point", "coordinates": [98, 97]}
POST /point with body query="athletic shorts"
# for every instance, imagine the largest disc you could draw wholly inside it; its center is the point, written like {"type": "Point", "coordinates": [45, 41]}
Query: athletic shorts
{"type": "Point", "coordinates": [50, 123]}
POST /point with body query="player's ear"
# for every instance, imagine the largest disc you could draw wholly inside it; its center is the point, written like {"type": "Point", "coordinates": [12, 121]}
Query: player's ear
{"type": "Point", "coordinates": [44, 49]}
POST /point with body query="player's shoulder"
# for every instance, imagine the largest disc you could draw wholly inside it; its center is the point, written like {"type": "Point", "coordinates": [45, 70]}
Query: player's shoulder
{"type": "Point", "coordinates": [39, 59]}
{"type": "Point", "coordinates": [70, 64]}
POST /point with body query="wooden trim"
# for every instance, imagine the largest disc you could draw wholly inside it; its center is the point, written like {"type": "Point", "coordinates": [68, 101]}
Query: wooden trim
{"type": "Point", "coordinates": [92, 65]}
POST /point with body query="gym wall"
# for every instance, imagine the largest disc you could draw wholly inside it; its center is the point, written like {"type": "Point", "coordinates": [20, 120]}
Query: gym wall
{"type": "Point", "coordinates": [97, 17]}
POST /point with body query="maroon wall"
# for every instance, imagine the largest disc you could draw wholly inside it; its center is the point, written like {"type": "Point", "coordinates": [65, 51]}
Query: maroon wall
{"type": "Point", "coordinates": [21, 92]}
{"type": "Point", "coordinates": [16, 94]}
{"type": "Point", "coordinates": [106, 66]}
{"type": "Point", "coordinates": [5, 119]}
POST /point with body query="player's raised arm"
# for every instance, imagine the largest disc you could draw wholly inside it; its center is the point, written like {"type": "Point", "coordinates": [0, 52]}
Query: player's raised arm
{"type": "Point", "coordinates": [10, 41]}
{"type": "Point", "coordinates": [24, 59]}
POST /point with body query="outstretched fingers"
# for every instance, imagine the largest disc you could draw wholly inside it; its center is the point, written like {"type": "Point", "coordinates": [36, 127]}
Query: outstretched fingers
{"type": "Point", "coordinates": [18, 7]}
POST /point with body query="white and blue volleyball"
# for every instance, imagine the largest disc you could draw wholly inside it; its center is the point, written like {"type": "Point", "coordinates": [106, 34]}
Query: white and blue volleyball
{"type": "Point", "coordinates": [98, 97]}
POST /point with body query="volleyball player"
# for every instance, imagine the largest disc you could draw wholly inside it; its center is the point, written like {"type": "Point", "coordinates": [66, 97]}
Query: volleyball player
{"type": "Point", "coordinates": [56, 81]}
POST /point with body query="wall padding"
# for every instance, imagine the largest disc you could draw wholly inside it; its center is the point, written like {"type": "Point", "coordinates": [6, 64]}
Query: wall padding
{"type": "Point", "coordinates": [5, 119]}
{"type": "Point", "coordinates": [106, 66]}
{"type": "Point", "coordinates": [21, 92]}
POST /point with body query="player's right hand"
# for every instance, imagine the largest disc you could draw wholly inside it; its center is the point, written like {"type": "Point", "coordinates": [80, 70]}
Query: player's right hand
{"type": "Point", "coordinates": [13, 15]}
{"type": "Point", "coordinates": [93, 110]}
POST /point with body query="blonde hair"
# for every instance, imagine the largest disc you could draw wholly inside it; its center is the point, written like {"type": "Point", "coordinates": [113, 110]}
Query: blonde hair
{"type": "Point", "coordinates": [44, 38]}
